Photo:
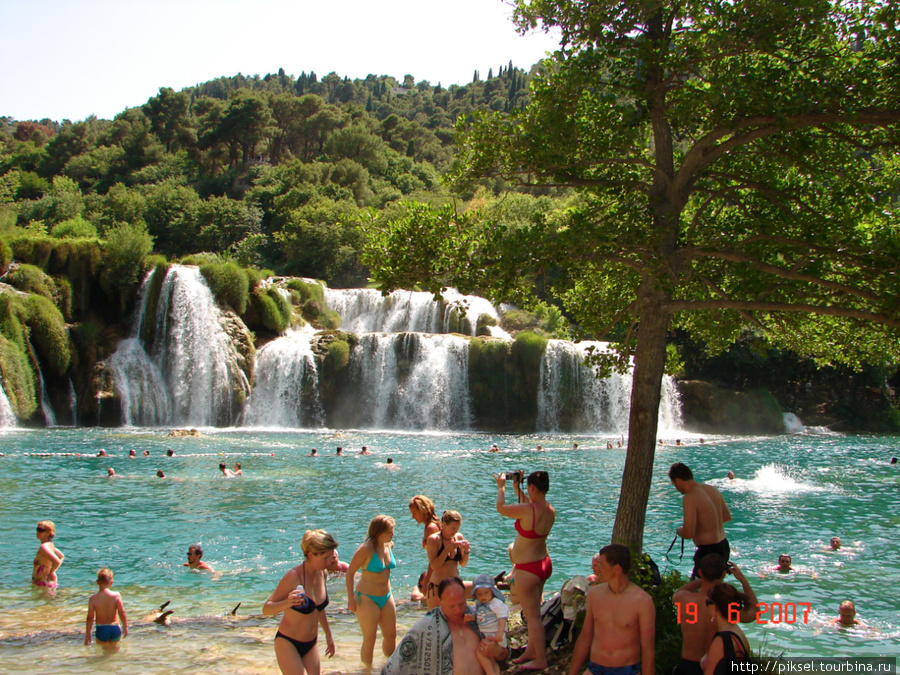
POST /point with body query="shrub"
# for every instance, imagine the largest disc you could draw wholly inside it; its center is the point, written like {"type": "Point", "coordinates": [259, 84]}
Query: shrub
{"type": "Point", "coordinates": [319, 315]}
{"type": "Point", "coordinates": [309, 290]}
{"type": "Point", "coordinates": [530, 347]}
{"type": "Point", "coordinates": [483, 324]}
{"type": "Point", "coordinates": [5, 257]}
{"type": "Point", "coordinates": [338, 354]}
{"type": "Point", "coordinates": [34, 249]}
{"type": "Point", "coordinates": [18, 379]}
{"type": "Point", "coordinates": [48, 333]}
{"type": "Point", "coordinates": [228, 283]}
{"type": "Point", "coordinates": [272, 309]}
{"type": "Point", "coordinates": [12, 316]}
{"type": "Point", "coordinates": [124, 252]}
{"type": "Point", "coordinates": [31, 279]}
{"type": "Point", "coordinates": [74, 228]}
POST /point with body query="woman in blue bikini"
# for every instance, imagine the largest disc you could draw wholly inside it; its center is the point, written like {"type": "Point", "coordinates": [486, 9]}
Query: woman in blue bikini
{"type": "Point", "coordinates": [304, 609]}
{"type": "Point", "coordinates": [372, 601]}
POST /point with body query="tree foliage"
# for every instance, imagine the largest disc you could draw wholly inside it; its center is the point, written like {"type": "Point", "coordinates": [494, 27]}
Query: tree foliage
{"type": "Point", "coordinates": [735, 163]}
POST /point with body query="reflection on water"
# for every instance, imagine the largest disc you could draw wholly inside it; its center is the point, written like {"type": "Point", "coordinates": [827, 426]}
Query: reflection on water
{"type": "Point", "coordinates": [791, 494]}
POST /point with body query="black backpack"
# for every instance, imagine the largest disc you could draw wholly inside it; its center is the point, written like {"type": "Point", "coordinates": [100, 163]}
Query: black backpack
{"type": "Point", "coordinates": [557, 628]}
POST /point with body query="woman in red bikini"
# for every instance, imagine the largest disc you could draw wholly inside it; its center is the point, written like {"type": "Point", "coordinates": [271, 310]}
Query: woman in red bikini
{"type": "Point", "coordinates": [48, 558]}
{"type": "Point", "coordinates": [531, 561]}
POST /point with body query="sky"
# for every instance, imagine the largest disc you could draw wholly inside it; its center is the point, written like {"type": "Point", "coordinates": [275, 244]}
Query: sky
{"type": "Point", "coordinates": [69, 59]}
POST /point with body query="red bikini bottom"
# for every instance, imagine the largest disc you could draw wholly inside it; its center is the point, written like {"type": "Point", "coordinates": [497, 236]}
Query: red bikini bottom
{"type": "Point", "coordinates": [542, 569]}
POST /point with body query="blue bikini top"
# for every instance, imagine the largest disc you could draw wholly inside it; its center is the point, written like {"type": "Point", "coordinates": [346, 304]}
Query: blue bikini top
{"type": "Point", "coordinates": [379, 566]}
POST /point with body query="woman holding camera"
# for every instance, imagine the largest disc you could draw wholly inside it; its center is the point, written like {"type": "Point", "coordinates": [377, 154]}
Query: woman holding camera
{"type": "Point", "coordinates": [531, 561]}
{"type": "Point", "coordinates": [447, 551]}
{"type": "Point", "coordinates": [302, 596]}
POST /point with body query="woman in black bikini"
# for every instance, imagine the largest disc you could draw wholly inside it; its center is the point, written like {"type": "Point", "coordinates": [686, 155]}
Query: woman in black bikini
{"type": "Point", "coordinates": [729, 644]}
{"type": "Point", "coordinates": [304, 612]}
{"type": "Point", "coordinates": [447, 551]}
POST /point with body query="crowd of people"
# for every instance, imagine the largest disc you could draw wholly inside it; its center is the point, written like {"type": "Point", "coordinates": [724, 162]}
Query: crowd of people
{"type": "Point", "coordinates": [618, 634]}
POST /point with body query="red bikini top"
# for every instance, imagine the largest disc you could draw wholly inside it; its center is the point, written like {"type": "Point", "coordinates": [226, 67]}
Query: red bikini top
{"type": "Point", "coordinates": [529, 534]}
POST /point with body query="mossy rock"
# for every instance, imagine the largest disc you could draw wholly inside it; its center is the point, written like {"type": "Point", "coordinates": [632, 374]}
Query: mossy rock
{"type": "Point", "coordinates": [48, 333]}
{"type": "Point", "coordinates": [18, 379]}
{"type": "Point", "coordinates": [32, 279]}
{"type": "Point", "coordinates": [308, 290]}
{"type": "Point", "coordinates": [33, 249]}
{"type": "Point", "coordinates": [320, 316]}
{"type": "Point", "coordinates": [229, 284]}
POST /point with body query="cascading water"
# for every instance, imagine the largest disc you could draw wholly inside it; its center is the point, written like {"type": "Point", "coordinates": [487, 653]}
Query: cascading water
{"type": "Point", "coordinates": [286, 393]}
{"type": "Point", "coordinates": [189, 374]}
{"type": "Point", "coordinates": [7, 417]}
{"type": "Point", "coordinates": [572, 398]}
{"type": "Point", "coordinates": [365, 310]}
{"type": "Point", "coordinates": [46, 407]}
{"type": "Point", "coordinates": [410, 381]}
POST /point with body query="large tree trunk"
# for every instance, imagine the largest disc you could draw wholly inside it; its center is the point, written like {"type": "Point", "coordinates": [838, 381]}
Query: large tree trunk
{"type": "Point", "coordinates": [649, 366]}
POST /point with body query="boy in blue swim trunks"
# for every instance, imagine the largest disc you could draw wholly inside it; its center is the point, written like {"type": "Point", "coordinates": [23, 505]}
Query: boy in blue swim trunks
{"type": "Point", "coordinates": [105, 606]}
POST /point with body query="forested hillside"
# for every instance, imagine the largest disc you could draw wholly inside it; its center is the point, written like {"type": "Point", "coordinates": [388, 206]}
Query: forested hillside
{"type": "Point", "coordinates": [268, 170]}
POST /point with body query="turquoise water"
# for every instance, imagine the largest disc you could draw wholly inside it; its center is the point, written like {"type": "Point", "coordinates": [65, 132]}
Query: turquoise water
{"type": "Point", "coordinates": [792, 494]}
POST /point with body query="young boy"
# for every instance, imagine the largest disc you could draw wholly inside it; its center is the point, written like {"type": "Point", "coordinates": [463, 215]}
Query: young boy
{"type": "Point", "coordinates": [106, 607]}
{"type": "Point", "coordinates": [491, 613]}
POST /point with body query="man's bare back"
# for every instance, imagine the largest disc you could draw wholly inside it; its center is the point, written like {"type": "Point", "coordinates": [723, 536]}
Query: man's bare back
{"type": "Point", "coordinates": [705, 514]}
{"type": "Point", "coordinates": [697, 630]}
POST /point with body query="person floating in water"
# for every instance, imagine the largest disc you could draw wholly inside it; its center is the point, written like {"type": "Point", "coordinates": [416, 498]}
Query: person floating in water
{"type": "Point", "coordinates": [314, 453]}
{"type": "Point", "coordinates": [228, 473]}
{"type": "Point", "coordinates": [194, 556]}
{"type": "Point", "coordinates": [835, 543]}
{"type": "Point", "coordinates": [847, 616]}
{"type": "Point", "coordinates": [365, 450]}
{"type": "Point", "coordinates": [238, 471]}
{"type": "Point", "coordinates": [160, 474]}
{"type": "Point", "coordinates": [705, 515]}
{"type": "Point", "coordinates": [784, 564]}
{"type": "Point", "coordinates": [731, 475]}
{"type": "Point", "coordinates": [105, 606]}
{"type": "Point", "coordinates": [111, 473]}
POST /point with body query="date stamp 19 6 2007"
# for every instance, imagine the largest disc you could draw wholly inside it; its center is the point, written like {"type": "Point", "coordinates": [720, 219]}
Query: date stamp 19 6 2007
{"type": "Point", "coordinates": [766, 612]}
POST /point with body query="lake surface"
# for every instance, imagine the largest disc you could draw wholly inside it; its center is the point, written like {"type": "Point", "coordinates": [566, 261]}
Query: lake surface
{"type": "Point", "coordinates": [792, 494]}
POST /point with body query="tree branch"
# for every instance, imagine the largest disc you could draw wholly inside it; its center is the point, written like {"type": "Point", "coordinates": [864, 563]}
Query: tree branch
{"type": "Point", "coordinates": [749, 306]}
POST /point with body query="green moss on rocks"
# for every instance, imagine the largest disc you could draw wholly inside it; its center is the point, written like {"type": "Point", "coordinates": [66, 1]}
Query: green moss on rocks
{"type": "Point", "coordinates": [228, 283]}
{"type": "Point", "coordinates": [48, 333]}
{"type": "Point", "coordinates": [31, 279]}
{"type": "Point", "coordinates": [18, 379]}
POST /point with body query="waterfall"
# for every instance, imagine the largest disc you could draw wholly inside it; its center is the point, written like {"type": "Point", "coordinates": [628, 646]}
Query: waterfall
{"type": "Point", "coordinates": [189, 375]}
{"type": "Point", "coordinates": [572, 398]}
{"type": "Point", "coordinates": [46, 406]}
{"type": "Point", "coordinates": [410, 381]}
{"type": "Point", "coordinates": [365, 310]}
{"type": "Point", "coordinates": [286, 393]}
{"type": "Point", "coordinates": [73, 403]}
{"type": "Point", "coordinates": [7, 416]}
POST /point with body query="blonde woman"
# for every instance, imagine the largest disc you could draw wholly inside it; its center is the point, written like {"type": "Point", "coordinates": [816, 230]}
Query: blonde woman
{"type": "Point", "coordinates": [447, 550]}
{"type": "Point", "coordinates": [48, 558]}
{"type": "Point", "coordinates": [304, 608]}
{"type": "Point", "coordinates": [372, 601]}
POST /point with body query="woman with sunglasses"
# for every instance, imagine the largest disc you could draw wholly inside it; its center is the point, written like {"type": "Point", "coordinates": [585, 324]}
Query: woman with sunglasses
{"type": "Point", "coordinates": [531, 561]}
{"type": "Point", "coordinates": [302, 596]}
{"type": "Point", "coordinates": [48, 558]}
{"type": "Point", "coordinates": [447, 551]}
{"type": "Point", "coordinates": [729, 645]}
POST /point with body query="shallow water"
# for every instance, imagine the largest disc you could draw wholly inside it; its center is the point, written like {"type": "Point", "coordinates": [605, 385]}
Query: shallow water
{"type": "Point", "coordinates": [791, 495]}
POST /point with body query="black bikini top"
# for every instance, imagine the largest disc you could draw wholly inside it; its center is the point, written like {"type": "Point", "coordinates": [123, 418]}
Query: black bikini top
{"type": "Point", "coordinates": [309, 606]}
{"type": "Point", "coordinates": [456, 558]}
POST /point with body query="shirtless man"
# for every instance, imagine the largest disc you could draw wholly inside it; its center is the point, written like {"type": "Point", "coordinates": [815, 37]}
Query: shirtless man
{"type": "Point", "coordinates": [620, 625]}
{"type": "Point", "coordinates": [705, 515]}
{"type": "Point", "coordinates": [228, 473]}
{"type": "Point", "coordinates": [466, 641]}
{"type": "Point", "coordinates": [194, 556]}
{"type": "Point", "coordinates": [847, 616]}
{"type": "Point", "coordinates": [697, 627]}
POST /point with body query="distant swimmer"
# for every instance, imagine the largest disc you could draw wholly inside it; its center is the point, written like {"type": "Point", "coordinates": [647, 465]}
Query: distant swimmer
{"type": "Point", "coordinates": [540, 448]}
{"type": "Point", "coordinates": [835, 543]}
{"type": "Point", "coordinates": [847, 616]}
{"type": "Point", "coordinates": [893, 460]}
{"type": "Point", "coordinates": [609, 445]}
{"type": "Point", "coordinates": [238, 471]}
{"type": "Point", "coordinates": [705, 515]}
{"type": "Point", "coordinates": [132, 454]}
{"type": "Point", "coordinates": [390, 466]}
{"type": "Point", "coordinates": [146, 453]}
{"type": "Point", "coordinates": [228, 473]}
{"type": "Point", "coordinates": [336, 565]}
{"type": "Point", "coordinates": [111, 473]}
{"type": "Point", "coordinates": [784, 564]}
{"type": "Point", "coordinates": [731, 475]}
{"type": "Point", "coordinates": [314, 453]}
{"type": "Point", "coordinates": [160, 474]}
{"type": "Point", "coordinates": [48, 558]}
{"type": "Point", "coordinates": [102, 453]}
{"type": "Point", "coordinates": [339, 452]}
{"type": "Point", "coordinates": [106, 608]}
{"type": "Point", "coordinates": [494, 448]}
{"type": "Point", "coordinates": [195, 559]}
{"type": "Point", "coordinates": [574, 446]}
{"type": "Point", "coordinates": [365, 451]}
{"type": "Point", "coordinates": [170, 452]}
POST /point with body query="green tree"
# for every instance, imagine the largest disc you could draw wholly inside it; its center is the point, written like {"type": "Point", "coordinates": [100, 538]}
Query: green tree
{"type": "Point", "coordinates": [736, 161]}
{"type": "Point", "coordinates": [170, 119]}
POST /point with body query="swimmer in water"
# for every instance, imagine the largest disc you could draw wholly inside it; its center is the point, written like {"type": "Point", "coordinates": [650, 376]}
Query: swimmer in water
{"type": "Point", "coordinates": [132, 454]}
{"type": "Point", "coordinates": [48, 558]}
{"type": "Point", "coordinates": [365, 451]}
{"type": "Point", "coordinates": [835, 543]}
{"type": "Point", "coordinates": [195, 562]}
{"type": "Point", "coordinates": [111, 473]}
{"type": "Point", "coordinates": [731, 475]}
{"type": "Point", "coordinates": [160, 474]}
{"type": "Point", "coordinates": [146, 453]}
{"type": "Point", "coordinates": [846, 617]}
{"type": "Point", "coordinates": [784, 564]}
